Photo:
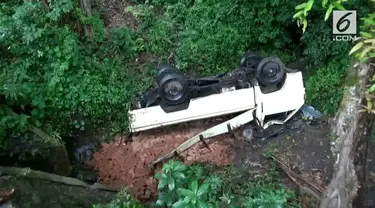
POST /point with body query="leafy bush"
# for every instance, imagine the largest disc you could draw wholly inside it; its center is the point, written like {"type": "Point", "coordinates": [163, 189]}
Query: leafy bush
{"type": "Point", "coordinates": [154, 34]}
{"type": "Point", "coordinates": [319, 46]}
{"type": "Point", "coordinates": [192, 186]}
{"type": "Point", "coordinates": [203, 185]}
{"type": "Point", "coordinates": [123, 200]}
{"type": "Point", "coordinates": [325, 89]}
{"type": "Point", "coordinates": [53, 74]}
{"type": "Point", "coordinates": [210, 36]}
{"type": "Point", "coordinates": [317, 41]}
{"type": "Point", "coordinates": [269, 198]}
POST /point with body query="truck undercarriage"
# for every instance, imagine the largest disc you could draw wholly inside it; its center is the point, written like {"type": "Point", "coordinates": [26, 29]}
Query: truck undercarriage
{"type": "Point", "coordinates": [260, 87]}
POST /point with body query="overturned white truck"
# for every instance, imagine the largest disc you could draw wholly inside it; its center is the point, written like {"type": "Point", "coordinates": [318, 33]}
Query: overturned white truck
{"type": "Point", "coordinates": [259, 88]}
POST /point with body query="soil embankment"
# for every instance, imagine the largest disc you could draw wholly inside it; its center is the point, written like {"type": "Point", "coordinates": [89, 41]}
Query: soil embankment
{"type": "Point", "coordinates": [127, 164]}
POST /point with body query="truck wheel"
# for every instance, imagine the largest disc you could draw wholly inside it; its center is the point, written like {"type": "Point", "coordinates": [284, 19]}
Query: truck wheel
{"type": "Point", "coordinates": [166, 68]}
{"type": "Point", "coordinates": [250, 60]}
{"type": "Point", "coordinates": [173, 86]}
{"type": "Point", "coordinates": [270, 71]}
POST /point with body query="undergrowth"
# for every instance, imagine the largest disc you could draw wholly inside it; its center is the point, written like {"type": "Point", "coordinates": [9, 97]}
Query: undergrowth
{"type": "Point", "coordinates": [326, 87]}
{"type": "Point", "coordinates": [54, 74]}
{"type": "Point", "coordinates": [203, 185]}
{"type": "Point", "coordinates": [210, 36]}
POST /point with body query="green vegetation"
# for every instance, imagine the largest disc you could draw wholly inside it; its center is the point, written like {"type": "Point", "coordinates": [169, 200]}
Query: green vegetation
{"type": "Point", "coordinates": [327, 99]}
{"type": "Point", "coordinates": [60, 78]}
{"type": "Point", "coordinates": [201, 185]}
{"type": "Point", "coordinates": [54, 75]}
{"type": "Point", "coordinates": [65, 72]}
{"type": "Point", "coordinates": [364, 49]}
{"type": "Point", "coordinates": [210, 36]}
{"type": "Point", "coordinates": [123, 200]}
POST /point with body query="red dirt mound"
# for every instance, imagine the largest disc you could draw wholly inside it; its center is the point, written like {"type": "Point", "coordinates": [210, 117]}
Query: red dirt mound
{"type": "Point", "coordinates": [127, 164]}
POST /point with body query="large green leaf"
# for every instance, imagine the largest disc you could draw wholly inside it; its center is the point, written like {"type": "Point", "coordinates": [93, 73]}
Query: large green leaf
{"type": "Point", "coordinates": [370, 21]}
{"type": "Point", "coordinates": [366, 35]}
{"type": "Point", "coordinates": [328, 12]}
{"type": "Point", "coordinates": [178, 175]}
{"type": "Point", "coordinates": [338, 6]}
{"type": "Point", "coordinates": [171, 183]}
{"type": "Point", "coordinates": [170, 198]}
{"type": "Point", "coordinates": [298, 14]}
{"type": "Point", "coordinates": [194, 186]}
{"type": "Point", "coordinates": [370, 41]}
{"type": "Point", "coordinates": [179, 204]}
{"type": "Point", "coordinates": [162, 198]}
{"type": "Point", "coordinates": [180, 167]}
{"type": "Point", "coordinates": [324, 3]}
{"type": "Point", "coordinates": [372, 88]}
{"type": "Point", "coordinates": [162, 183]}
{"type": "Point", "coordinates": [356, 47]}
{"type": "Point", "coordinates": [167, 167]}
{"type": "Point", "coordinates": [308, 7]}
{"type": "Point", "coordinates": [300, 6]}
{"type": "Point", "coordinates": [366, 50]}
{"type": "Point", "coordinates": [161, 175]}
{"type": "Point", "coordinates": [201, 204]}
{"type": "Point", "coordinates": [185, 192]}
{"type": "Point", "coordinates": [203, 189]}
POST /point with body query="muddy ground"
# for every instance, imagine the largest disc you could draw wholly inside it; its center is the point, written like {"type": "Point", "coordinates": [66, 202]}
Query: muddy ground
{"type": "Point", "coordinates": [303, 146]}
{"type": "Point", "coordinates": [305, 149]}
{"type": "Point", "coordinates": [121, 163]}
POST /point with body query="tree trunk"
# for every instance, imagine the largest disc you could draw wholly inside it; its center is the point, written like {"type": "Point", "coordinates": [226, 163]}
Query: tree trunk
{"type": "Point", "coordinates": [86, 8]}
{"type": "Point", "coordinates": [352, 130]}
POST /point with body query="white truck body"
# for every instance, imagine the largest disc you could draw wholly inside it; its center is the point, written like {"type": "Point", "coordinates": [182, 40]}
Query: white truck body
{"type": "Point", "coordinates": [290, 97]}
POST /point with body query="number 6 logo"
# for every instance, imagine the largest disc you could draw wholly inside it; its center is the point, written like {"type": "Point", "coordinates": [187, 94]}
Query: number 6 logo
{"type": "Point", "coordinates": [344, 22]}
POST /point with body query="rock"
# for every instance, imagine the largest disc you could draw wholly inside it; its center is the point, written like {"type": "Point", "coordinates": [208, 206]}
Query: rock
{"type": "Point", "coordinates": [85, 173]}
{"type": "Point", "coordinates": [84, 153]}
{"type": "Point", "coordinates": [32, 152]}
{"type": "Point", "coordinates": [40, 189]}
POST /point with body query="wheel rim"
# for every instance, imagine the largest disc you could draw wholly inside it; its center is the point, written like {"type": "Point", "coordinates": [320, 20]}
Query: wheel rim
{"type": "Point", "coordinates": [173, 88]}
{"type": "Point", "coordinates": [270, 70]}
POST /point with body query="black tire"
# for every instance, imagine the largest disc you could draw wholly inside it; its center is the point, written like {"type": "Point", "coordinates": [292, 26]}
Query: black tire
{"type": "Point", "coordinates": [250, 60]}
{"type": "Point", "coordinates": [173, 86]}
{"type": "Point", "coordinates": [270, 71]}
{"type": "Point", "coordinates": [166, 68]}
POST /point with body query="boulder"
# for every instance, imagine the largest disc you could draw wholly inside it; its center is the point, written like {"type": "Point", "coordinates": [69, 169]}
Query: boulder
{"type": "Point", "coordinates": [40, 189]}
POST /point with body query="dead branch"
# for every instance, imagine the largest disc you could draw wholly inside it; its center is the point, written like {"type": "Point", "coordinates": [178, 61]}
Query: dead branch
{"type": "Point", "coordinates": [304, 184]}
